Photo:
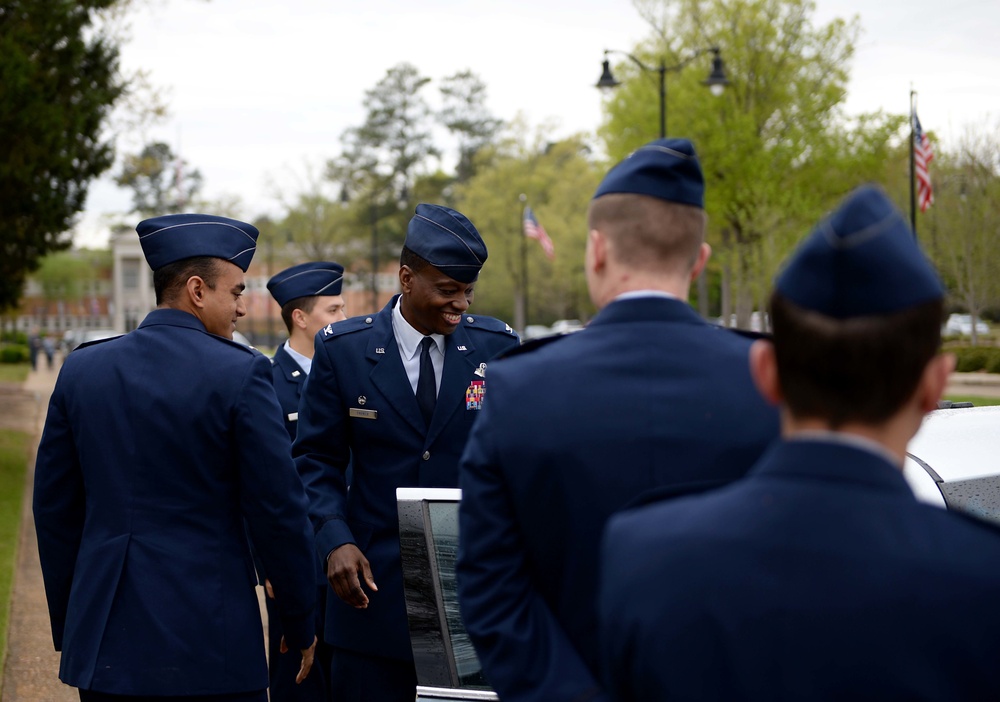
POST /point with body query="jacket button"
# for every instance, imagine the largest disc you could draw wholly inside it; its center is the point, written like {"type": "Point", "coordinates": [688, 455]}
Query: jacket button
{"type": "Point", "coordinates": [427, 455]}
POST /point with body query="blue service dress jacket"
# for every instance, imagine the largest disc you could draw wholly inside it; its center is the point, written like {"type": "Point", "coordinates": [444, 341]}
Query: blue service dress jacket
{"type": "Point", "coordinates": [818, 577]}
{"type": "Point", "coordinates": [158, 446]}
{"type": "Point", "coordinates": [647, 397]}
{"type": "Point", "coordinates": [359, 406]}
{"type": "Point", "coordinates": [288, 382]}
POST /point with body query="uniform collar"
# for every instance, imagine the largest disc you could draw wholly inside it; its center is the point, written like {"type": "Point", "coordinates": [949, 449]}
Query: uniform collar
{"type": "Point", "coordinates": [647, 308]}
{"type": "Point", "coordinates": [821, 459]}
{"type": "Point", "coordinates": [303, 362]}
{"type": "Point", "coordinates": [174, 318]}
{"type": "Point", "coordinates": [409, 338]}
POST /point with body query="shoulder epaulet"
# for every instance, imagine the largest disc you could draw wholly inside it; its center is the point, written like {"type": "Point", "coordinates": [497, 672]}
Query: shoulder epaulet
{"type": "Point", "coordinates": [746, 333]}
{"type": "Point", "coordinates": [490, 324]}
{"type": "Point", "coordinates": [95, 342]}
{"type": "Point", "coordinates": [534, 344]}
{"type": "Point", "coordinates": [348, 326]}
{"type": "Point", "coordinates": [232, 342]}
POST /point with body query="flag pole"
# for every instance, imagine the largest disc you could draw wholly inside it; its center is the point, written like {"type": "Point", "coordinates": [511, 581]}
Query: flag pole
{"type": "Point", "coordinates": [913, 186]}
{"type": "Point", "coordinates": [524, 263]}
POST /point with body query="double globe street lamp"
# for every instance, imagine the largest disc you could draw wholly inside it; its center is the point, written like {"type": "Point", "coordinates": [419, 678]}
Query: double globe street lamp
{"type": "Point", "coordinates": [716, 81]}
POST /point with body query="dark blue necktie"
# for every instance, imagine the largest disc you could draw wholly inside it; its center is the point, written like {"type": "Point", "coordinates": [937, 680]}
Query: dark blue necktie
{"type": "Point", "coordinates": [426, 385]}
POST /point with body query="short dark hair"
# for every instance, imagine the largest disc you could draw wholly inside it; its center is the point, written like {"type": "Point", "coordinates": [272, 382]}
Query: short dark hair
{"type": "Point", "coordinates": [169, 279]}
{"type": "Point", "coordinates": [646, 232]}
{"type": "Point", "coordinates": [306, 303]}
{"type": "Point", "coordinates": [412, 261]}
{"type": "Point", "coordinates": [861, 369]}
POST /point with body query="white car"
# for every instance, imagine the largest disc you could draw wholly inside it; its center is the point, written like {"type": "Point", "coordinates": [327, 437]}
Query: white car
{"type": "Point", "coordinates": [952, 461]}
{"type": "Point", "coordinates": [961, 324]}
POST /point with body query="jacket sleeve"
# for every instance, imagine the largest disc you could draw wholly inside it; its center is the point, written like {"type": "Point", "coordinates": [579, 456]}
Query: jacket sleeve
{"type": "Point", "coordinates": [274, 504]}
{"type": "Point", "coordinates": [525, 653]}
{"type": "Point", "coordinates": [59, 507]}
{"type": "Point", "coordinates": [322, 452]}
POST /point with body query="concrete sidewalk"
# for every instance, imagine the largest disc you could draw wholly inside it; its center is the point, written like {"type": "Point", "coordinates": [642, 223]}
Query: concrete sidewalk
{"type": "Point", "coordinates": [31, 671]}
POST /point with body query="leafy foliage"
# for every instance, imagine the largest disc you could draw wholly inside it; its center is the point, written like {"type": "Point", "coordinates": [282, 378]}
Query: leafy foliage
{"type": "Point", "coordinates": [161, 183]}
{"type": "Point", "coordinates": [60, 80]}
{"type": "Point", "coordinates": [776, 148]}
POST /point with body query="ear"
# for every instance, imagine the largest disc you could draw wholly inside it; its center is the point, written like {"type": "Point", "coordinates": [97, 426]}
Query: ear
{"type": "Point", "coordinates": [598, 244]}
{"type": "Point", "coordinates": [196, 291]}
{"type": "Point", "coordinates": [934, 381]}
{"type": "Point", "coordinates": [704, 253]}
{"type": "Point", "coordinates": [406, 277]}
{"type": "Point", "coordinates": [764, 371]}
{"type": "Point", "coordinates": [299, 319]}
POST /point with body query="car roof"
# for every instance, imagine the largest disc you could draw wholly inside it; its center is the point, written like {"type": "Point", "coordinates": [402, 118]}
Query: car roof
{"type": "Point", "coordinates": [960, 443]}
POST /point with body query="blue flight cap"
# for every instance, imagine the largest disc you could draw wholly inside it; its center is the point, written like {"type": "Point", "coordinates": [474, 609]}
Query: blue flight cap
{"type": "Point", "coordinates": [305, 280]}
{"type": "Point", "coordinates": [862, 260]}
{"type": "Point", "coordinates": [174, 237]}
{"type": "Point", "coordinates": [448, 241]}
{"type": "Point", "coordinates": [667, 169]}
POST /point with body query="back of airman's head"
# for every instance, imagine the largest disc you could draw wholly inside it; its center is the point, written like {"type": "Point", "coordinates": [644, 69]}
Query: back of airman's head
{"type": "Point", "coordinates": [651, 206]}
{"type": "Point", "coordinates": [856, 314]}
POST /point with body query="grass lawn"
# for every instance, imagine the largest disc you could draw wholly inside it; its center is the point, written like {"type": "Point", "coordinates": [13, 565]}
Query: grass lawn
{"type": "Point", "coordinates": [977, 401]}
{"type": "Point", "coordinates": [14, 372]}
{"type": "Point", "coordinates": [13, 463]}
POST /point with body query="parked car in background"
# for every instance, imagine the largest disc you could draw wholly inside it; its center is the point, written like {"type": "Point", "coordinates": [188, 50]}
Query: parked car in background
{"type": "Point", "coordinates": [951, 464]}
{"type": "Point", "coordinates": [961, 325]}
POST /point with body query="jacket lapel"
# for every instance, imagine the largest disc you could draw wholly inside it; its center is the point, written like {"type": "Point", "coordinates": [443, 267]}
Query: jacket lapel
{"type": "Point", "coordinates": [387, 373]}
{"type": "Point", "coordinates": [290, 368]}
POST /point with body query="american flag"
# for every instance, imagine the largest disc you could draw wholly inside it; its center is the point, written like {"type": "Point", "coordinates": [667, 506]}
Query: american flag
{"type": "Point", "coordinates": [534, 230]}
{"type": "Point", "coordinates": [922, 156]}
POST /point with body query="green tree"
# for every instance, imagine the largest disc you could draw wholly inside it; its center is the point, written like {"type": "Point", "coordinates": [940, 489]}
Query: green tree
{"type": "Point", "coordinates": [161, 183]}
{"type": "Point", "coordinates": [776, 147]}
{"type": "Point", "coordinates": [557, 180]}
{"type": "Point", "coordinates": [963, 224]}
{"type": "Point", "coordinates": [465, 115]}
{"type": "Point", "coordinates": [60, 78]}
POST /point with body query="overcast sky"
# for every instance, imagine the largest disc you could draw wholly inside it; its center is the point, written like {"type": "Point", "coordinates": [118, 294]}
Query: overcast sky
{"type": "Point", "coordinates": [257, 89]}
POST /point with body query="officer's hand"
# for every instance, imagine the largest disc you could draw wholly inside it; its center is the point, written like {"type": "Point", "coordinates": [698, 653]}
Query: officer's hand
{"type": "Point", "coordinates": [308, 654]}
{"type": "Point", "coordinates": [268, 589]}
{"type": "Point", "coordinates": [342, 569]}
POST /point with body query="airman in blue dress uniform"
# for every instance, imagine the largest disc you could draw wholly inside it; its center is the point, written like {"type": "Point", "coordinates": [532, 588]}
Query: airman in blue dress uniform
{"type": "Point", "coordinates": [648, 397]}
{"type": "Point", "coordinates": [819, 576]}
{"type": "Point", "coordinates": [309, 295]}
{"type": "Point", "coordinates": [159, 447]}
{"type": "Point", "coordinates": [395, 393]}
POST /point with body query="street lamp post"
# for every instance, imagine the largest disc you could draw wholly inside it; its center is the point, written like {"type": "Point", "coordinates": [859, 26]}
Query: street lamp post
{"type": "Point", "coordinates": [716, 81]}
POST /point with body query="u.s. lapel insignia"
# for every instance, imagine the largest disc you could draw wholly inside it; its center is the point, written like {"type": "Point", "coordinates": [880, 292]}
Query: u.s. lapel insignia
{"type": "Point", "coordinates": [475, 394]}
{"type": "Point", "coordinates": [379, 349]}
{"type": "Point", "coordinates": [481, 371]}
{"type": "Point", "coordinates": [462, 348]}
{"type": "Point", "coordinates": [296, 374]}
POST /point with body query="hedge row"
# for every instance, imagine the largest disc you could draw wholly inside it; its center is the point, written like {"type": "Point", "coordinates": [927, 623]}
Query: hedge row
{"type": "Point", "coordinates": [14, 353]}
{"type": "Point", "coordinates": [977, 358]}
